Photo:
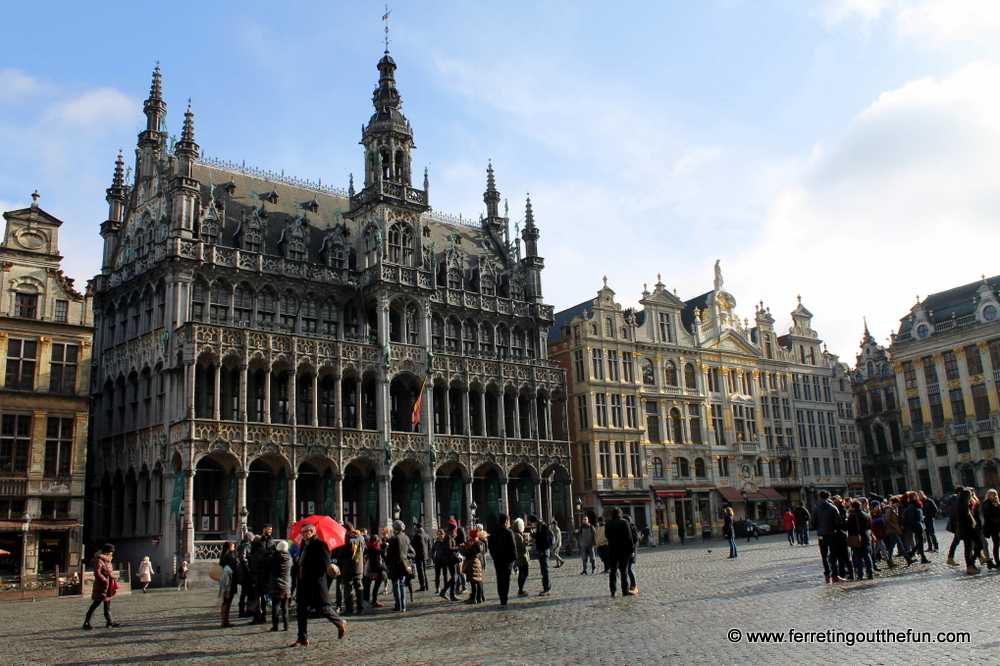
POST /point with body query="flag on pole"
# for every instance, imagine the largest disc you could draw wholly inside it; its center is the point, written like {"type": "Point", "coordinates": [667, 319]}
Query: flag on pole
{"type": "Point", "coordinates": [419, 401]}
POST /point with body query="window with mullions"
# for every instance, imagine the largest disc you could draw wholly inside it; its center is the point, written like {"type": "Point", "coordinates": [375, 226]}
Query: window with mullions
{"type": "Point", "coordinates": [15, 442]}
{"type": "Point", "coordinates": [605, 459]}
{"type": "Point", "coordinates": [582, 418]}
{"type": "Point", "coordinates": [62, 310]}
{"type": "Point", "coordinates": [628, 369]}
{"type": "Point", "coordinates": [58, 445]}
{"type": "Point", "coordinates": [62, 371]}
{"type": "Point", "coordinates": [21, 359]}
{"type": "Point", "coordinates": [910, 374]}
{"type": "Point", "coordinates": [950, 365]}
{"type": "Point", "coordinates": [26, 305]}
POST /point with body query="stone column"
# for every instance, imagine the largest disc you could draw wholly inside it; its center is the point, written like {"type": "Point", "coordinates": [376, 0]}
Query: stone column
{"type": "Point", "coordinates": [244, 383]}
{"type": "Point", "coordinates": [189, 389]}
{"type": "Point", "coordinates": [217, 391]}
{"type": "Point", "coordinates": [430, 504]}
{"type": "Point", "coordinates": [468, 501]}
{"type": "Point", "coordinates": [292, 510]}
{"type": "Point", "coordinates": [314, 420]}
{"type": "Point", "coordinates": [446, 409]}
{"type": "Point", "coordinates": [187, 545]}
{"type": "Point", "coordinates": [504, 502]}
{"type": "Point", "coordinates": [267, 395]}
{"type": "Point", "coordinates": [241, 494]}
{"type": "Point", "coordinates": [293, 397]}
{"type": "Point", "coordinates": [338, 490]}
{"type": "Point", "coordinates": [385, 499]}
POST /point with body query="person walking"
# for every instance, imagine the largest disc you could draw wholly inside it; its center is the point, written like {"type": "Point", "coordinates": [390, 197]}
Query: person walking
{"type": "Point", "coordinates": [374, 556]}
{"type": "Point", "coordinates": [556, 543]}
{"type": "Point", "coordinates": [542, 538]}
{"type": "Point", "coordinates": [227, 581]}
{"type": "Point", "coordinates": [991, 527]}
{"type": "Point", "coordinates": [352, 565]}
{"type": "Point", "coordinates": [145, 573]}
{"type": "Point", "coordinates": [314, 586]}
{"type": "Point", "coordinates": [601, 542]}
{"type": "Point", "coordinates": [504, 553]}
{"type": "Point", "coordinates": [280, 584]}
{"type": "Point", "coordinates": [182, 576]}
{"type": "Point", "coordinates": [789, 519]}
{"type": "Point", "coordinates": [826, 521]}
{"type": "Point", "coordinates": [894, 530]}
{"type": "Point", "coordinates": [521, 551]}
{"type": "Point", "coordinates": [802, 524]}
{"type": "Point", "coordinates": [963, 520]}
{"type": "Point", "coordinates": [242, 573]}
{"type": "Point", "coordinates": [437, 555]}
{"type": "Point", "coordinates": [859, 539]}
{"type": "Point", "coordinates": [621, 549]}
{"type": "Point", "coordinates": [105, 586]}
{"type": "Point", "coordinates": [585, 538]}
{"type": "Point", "coordinates": [473, 566]}
{"type": "Point", "coordinates": [421, 544]}
{"type": "Point", "coordinates": [930, 513]}
{"type": "Point", "coordinates": [397, 564]}
{"type": "Point", "coordinates": [913, 520]}
{"type": "Point", "coordinates": [729, 531]}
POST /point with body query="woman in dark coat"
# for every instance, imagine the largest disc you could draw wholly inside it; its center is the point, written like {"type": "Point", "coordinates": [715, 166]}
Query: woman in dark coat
{"type": "Point", "coordinates": [966, 527]}
{"type": "Point", "coordinates": [374, 554]}
{"type": "Point", "coordinates": [473, 566]}
{"type": "Point", "coordinates": [396, 562]}
{"type": "Point", "coordinates": [280, 583]}
{"type": "Point", "coordinates": [859, 525]}
{"type": "Point", "coordinates": [105, 586]}
{"type": "Point", "coordinates": [729, 531]}
{"type": "Point", "coordinates": [228, 586]}
{"type": "Point", "coordinates": [991, 526]}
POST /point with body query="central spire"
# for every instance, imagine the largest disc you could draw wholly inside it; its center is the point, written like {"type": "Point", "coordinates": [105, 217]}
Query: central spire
{"type": "Point", "coordinates": [386, 96]}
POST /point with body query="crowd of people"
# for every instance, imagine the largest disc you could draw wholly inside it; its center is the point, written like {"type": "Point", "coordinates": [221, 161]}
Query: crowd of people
{"type": "Point", "coordinates": [856, 534]}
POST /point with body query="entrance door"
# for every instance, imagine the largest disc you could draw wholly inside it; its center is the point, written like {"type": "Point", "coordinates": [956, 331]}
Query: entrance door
{"type": "Point", "coordinates": [684, 516]}
{"type": "Point", "coordinates": [52, 551]}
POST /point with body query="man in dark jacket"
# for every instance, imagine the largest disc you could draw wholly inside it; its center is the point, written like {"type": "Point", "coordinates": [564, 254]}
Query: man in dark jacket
{"type": "Point", "coordinates": [421, 544]}
{"type": "Point", "coordinates": [504, 553]}
{"type": "Point", "coordinates": [243, 573]}
{"type": "Point", "coordinates": [543, 541]}
{"type": "Point", "coordinates": [352, 564]}
{"type": "Point", "coordinates": [826, 520]}
{"type": "Point", "coordinates": [802, 524]}
{"type": "Point", "coordinates": [314, 586]}
{"type": "Point", "coordinates": [621, 548]}
{"type": "Point", "coordinates": [930, 513]}
{"type": "Point", "coordinates": [397, 562]}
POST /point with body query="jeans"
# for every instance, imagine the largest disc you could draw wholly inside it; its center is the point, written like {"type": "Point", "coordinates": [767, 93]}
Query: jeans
{"type": "Point", "coordinates": [543, 567]}
{"type": "Point", "coordinates": [863, 564]}
{"type": "Point", "coordinates": [503, 581]}
{"type": "Point", "coordinates": [895, 542]}
{"type": "Point", "coordinates": [421, 567]}
{"type": "Point", "coordinates": [932, 541]}
{"type": "Point", "coordinates": [803, 533]}
{"type": "Point", "coordinates": [827, 553]}
{"type": "Point", "coordinates": [302, 615]}
{"type": "Point", "coordinates": [587, 553]}
{"type": "Point", "coordinates": [522, 577]}
{"type": "Point", "coordinates": [451, 580]}
{"type": "Point", "coordinates": [791, 536]}
{"type": "Point", "coordinates": [618, 568]}
{"type": "Point", "coordinates": [732, 546]}
{"type": "Point", "coordinates": [399, 593]}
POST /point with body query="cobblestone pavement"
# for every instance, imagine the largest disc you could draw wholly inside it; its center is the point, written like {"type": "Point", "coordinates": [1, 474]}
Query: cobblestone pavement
{"type": "Point", "coordinates": [690, 598]}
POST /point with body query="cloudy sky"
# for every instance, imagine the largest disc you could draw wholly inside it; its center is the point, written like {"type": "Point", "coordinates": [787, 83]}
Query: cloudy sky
{"type": "Point", "coordinates": [844, 150]}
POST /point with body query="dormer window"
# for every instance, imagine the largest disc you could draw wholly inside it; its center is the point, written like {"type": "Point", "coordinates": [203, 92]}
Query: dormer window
{"type": "Point", "coordinates": [26, 305]}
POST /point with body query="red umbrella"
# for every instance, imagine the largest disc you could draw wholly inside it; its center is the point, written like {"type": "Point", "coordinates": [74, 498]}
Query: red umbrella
{"type": "Point", "coordinates": [327, 529]}
{"type": "Point", "coordinates": [4, 552]}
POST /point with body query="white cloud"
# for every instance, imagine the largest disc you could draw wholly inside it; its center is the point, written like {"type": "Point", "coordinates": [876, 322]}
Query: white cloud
{"type": "Point", "coordinates": [904, 202]}
{"type": "Point", "coordinates": [938, 21]}
{"type": "Point", "coordinates": [105, 108]}
{"type": "Point", "coordinates": [16, 86]}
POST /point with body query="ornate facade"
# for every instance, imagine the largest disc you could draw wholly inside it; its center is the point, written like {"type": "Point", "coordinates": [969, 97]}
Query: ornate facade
{"type": "Point", "coordinates": [46, 331]}
{"type": "Point", "coordinates": [944, 366]}
{"type": "Point", "coordinates": [269, 348]}
{"type": "Point", "coordinates": [681, 407]}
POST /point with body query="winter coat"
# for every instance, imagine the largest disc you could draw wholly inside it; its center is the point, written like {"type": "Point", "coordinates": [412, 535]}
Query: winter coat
{"type": "Point", "coordinates": [258, 565]}
{"type": "Point", "coordinates": [396, 555]}
{"type": "Point", "coordinates": [585, 536]}
{"type": "Point", "coordinates": [621, 544]}
{"type": "Point", "coordinates": [313, 589]}
{"type": "Point", "coordinates": [421, 544]}
{"type": "Point", "coordinates": [280, 582]}
{"type": "Point", "coordinates": [438, 553]}
{"type": "Point", "coordinates": [859, 523]}
{"type": "Point", "coordinates": [352, 556]}
{"type": "Point", "coordinates": [520, 549]}
{"type": "Point", "coordinates": [825, 519]}
{"type": "Point", "coordinates": [913, 517]}
{"type": "Point", "coordinates": [374, 553]}
{"type": "Point", "coordinates": [801, 516]}
{"type": "Point", "coordinates": [145, 571]}
{"type": "Point", "coordinates": [473, 566]}
{"type": "Point", "coordinates": [728, 528]}
{"type": "Point", "coordinates": [104, 573]}
{"type": "Point", "coordinates": [789, 518]}
{"type": "Point", "coordinates": [502, 547]}
{"type": "Point", "coordinates": [892, 522]}
{"type": "Point", "coordinates": [991, 519]}
{"type": "Point", "coordinates": [243, 563]}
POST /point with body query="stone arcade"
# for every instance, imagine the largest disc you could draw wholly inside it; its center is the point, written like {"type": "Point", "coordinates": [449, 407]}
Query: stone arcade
{"type": "Point", "coordinates": [274, 345]}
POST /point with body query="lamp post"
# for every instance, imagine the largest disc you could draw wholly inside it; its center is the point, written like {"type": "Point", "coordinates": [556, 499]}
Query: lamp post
{"type": "Point", "coordinates": [579, 512]}
{"type": "Point", "coordinates": [243, 521]}
{"type": "Point", "coordinates": [395, 511]}
{"type": "Point", "coordinates": [25, 525]}
{"type": "Point", "coordinates": [472, 514]}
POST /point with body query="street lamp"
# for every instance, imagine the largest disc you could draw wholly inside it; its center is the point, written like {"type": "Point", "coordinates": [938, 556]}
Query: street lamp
{"type": "Point", "coordinates": [395, 511]}
{"type": "Point", "coordinates": [243, 521]}
{"type": "Point", "coordinates": [472, 513]}
{"type": "Point", "coordinates": [579, 511]}
{"type": "Point", "coordinates": [25, 525]}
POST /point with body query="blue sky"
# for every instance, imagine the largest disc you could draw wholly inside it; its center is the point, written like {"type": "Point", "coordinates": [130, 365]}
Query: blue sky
{"type": "Point", "coordinates": [844, 150]}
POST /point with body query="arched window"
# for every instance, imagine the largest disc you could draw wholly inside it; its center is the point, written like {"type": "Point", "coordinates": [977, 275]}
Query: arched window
{"type": "Point", "coordinates": [676, 426]}
{"type": "Point", "coordinates": [682, 467]}
{"type": "Point", "coordinates": [454, 278]}
{"type": "Point", "coordinates": [243, 305]}
{"type": "Point", "coordinates": [657, 468]}
{"type": "Point", "coordinates": [470, 334]}
{"type": "Point", "coordinates": [609, 327]}
{"type": "Point", "coordinates": [371, 243]}
{"type": "Point", "coordinates": [699, 467]}
{"type": "Point", "coordinates": [689, 376]}
{"type": "Point", "coordinates": [210, 231]}
{"type": "Point", "coordinates": [670, 373]}
{"type": "Point", "coordinates": [647, 372]}
{"type": "Point", "coordinates": [219, 307]}
{"type": "Point", "coordinates": [452, 334]}
{"type": "Point", "coordinates": [199, 295]}
{"type": "Point", "coordinates": [401, 244]}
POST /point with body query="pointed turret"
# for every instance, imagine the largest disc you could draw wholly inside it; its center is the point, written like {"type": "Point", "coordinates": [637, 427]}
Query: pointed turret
{"type": "Point", "coordinates": [186, 150]}
{"type": "Point", "coordinates": [532, 263]}
{"type": "Point", "coordinates": [491, 197]}
{"type": "Point", "coordinates": [112, 226]}
{"type": "Point", "coordinates": [154, 107]}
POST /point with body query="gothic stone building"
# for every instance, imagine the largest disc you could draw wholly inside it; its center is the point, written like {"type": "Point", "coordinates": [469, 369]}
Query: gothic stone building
{"type": "Point", "coordinates": [269, 349]}
{"type": "Point", "coordinates": [46, 330]}
{"type": "Point", "coordinates": [942, 430]}
{"type": "Point", "coordinates": [681, 408]}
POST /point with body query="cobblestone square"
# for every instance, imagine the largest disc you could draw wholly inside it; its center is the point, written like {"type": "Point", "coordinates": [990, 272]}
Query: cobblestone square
{"type": "Point", "coordinates": [689, 601]}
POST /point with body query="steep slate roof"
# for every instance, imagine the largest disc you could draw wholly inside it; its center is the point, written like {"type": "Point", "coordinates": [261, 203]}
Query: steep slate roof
{"type": "Point", "coordinates": [566, 316]}
{"type": "Point", "coordinates": [687, 315]}
{"type": "Point", "coordinates": [957, 301]}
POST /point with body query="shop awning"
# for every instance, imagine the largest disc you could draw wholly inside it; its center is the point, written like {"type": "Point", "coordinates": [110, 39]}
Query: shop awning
{"type": "Point", "coordinates": [856, 486]}
{"type": "Point", "coordinates": [55, 522]}
{"type": "Point", "coordinates": [765, 495]}
{"type": "Point", "coordinates": [671, 492]}
{"type": "Point", "coordinates": [731, 494]}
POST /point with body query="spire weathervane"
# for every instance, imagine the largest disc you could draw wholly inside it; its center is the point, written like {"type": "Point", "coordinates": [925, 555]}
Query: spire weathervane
{"type": "Point", "coordinates": [385, 17]}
